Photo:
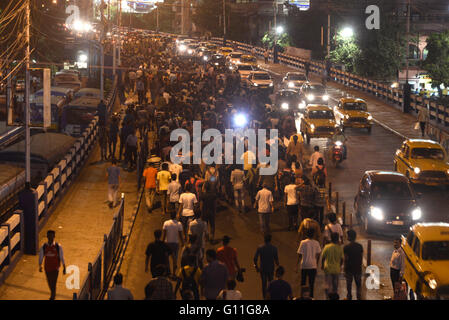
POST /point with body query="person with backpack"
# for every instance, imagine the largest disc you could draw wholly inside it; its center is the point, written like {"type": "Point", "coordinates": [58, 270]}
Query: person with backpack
{"type": "Point", "coordinates": [52, 255]}
{"type": "Point", "coordinates": [319, 173]}
{"type": "Point", "coordinates": [189, 278]}
{"type": "Point", "coordinates": [332, 227]}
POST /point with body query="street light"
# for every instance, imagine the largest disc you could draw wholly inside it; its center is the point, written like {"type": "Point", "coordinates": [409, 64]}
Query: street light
{"type": "Point", "coordinates": [279, 29]}
{"type": "Point", "coordinates": [347, 33]}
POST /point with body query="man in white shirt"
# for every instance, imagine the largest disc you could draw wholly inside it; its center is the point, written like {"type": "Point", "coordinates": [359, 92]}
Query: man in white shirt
{"type": "Point", "coordinates": [313, 162]}
{"type": "Point", "coordinates": [308, 257]}
{"type": "Point", "coordinates": [291, 202]}
{"type": "Point", "coordinates": [175, 168]}
{"type": "Point", "coordinates": [237, 177]}
{"type": "Point", "coordinates": [172, 234]}
{"type": "Point", "coordinates": [397, 263]}
{"type": "Point", "coordinates": [186, 210]}
{"type": "Point", "coordinates": [332, 227]}
{"type": "Point", "coordinates": [264, 205]}
{"type": "Point", "coordinates": [173, 193]}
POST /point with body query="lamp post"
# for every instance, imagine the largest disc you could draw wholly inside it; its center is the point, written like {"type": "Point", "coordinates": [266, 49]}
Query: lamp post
{"type": "Point", "coordinates": [224, 23]}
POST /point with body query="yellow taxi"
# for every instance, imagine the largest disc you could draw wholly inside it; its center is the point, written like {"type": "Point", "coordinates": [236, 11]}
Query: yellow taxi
{"type": "Point", "coordinates": [353, 112]}
{"type": "Point", "coordinates": [423, 162]}
{"type": "Point", "coordinates": [226, 51]}
{"type": "Point", "coordinates": [426, 250]}
{"type": "Point", "coordinates": [318, 121]}
{"type": "Point", "coordinates": [248, 59]}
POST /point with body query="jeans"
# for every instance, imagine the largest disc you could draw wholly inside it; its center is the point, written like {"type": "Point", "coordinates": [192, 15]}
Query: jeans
{"type": "Point", "coordinates": [112, 193]}
{"type": "Point", "coordinates": [423, 127]}
{"type": "Point", "coordinates": [174, 248]}
{"type": "Point", "coordinates": [292, 211]}
{"type": "Point", "coordinates": [358, 283]}
{"type": "Point", "coordinates": [185, 220]}
{"type": "Point", "coordinates": [395, 276]}
{"type": "Point", "coordinates": [331, 282]}
{"type": "Point", "coordinates": [52, 279]}
{"type": "Point", "coordinates": [266, 278]}
{"type": "Point", "coordinates": [311, 274]}
{"type": "Point", "coordinates": [131, 156]}
{"type": "Point", "coordinates": [264, 220]}
{"type": "Point", "coordinates": [112, 147]}
{"type": "Point", "coordinates": [164, 201]}
{"type": "Point", "coordinates": [149, 198]}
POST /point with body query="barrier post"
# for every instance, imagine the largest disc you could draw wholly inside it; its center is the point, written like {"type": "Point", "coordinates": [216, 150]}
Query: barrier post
{"type": "Point", "coordinates": [330, 191]}
{"type": "Point", "coordinates": [344, 213]}
{"type": "Point", "coordinates": [350, 221]}
{"type": "Point", "coordinates": [28, 202]}
{"type": "Point", "coordinates": [336, 203]}
{"type": "Point", "coordinates": [368, 253]}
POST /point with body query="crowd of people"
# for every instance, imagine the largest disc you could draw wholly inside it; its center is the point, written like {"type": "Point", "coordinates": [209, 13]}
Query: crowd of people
{"type": "Point", "coordinates": [173, 92]}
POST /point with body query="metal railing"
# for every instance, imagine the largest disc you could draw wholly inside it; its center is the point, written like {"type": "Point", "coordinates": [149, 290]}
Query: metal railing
{"type": "Point", "coordinates": [11, 243]}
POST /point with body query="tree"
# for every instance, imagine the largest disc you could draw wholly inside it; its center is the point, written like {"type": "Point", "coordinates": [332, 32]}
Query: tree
{"type": "Point", "coordinates": [283, 40]}
{"type": "Point", "coordinates": [437, 61]}
{"type": "Point", "coordinates": [207, 15]}
{"type": "Point", "coordinates": [346, 52]}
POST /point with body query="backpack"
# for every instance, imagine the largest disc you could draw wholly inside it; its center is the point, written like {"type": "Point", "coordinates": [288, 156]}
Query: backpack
{"type": "Point", "coordinates": [319, 177]}
{"type": "Point", "coordinates": [189, 283]}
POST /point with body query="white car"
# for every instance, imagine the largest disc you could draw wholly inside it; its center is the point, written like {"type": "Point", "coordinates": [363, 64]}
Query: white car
{"type": "Point", "coordinates": [234, 57]}
{"type": "Point", "coordinates": [294, 80]}
{"type": "Point", "coordinates": [260, 80]}
{"type": "Point", "coordinates": [244, 70]}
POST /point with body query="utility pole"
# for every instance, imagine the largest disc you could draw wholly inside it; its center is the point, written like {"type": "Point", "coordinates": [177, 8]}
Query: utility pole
{"type": "Point", "coordinates": [27, 99]}
{"type": "Point", "coordinates": [182, 16]}
{"type": "Point", "coordinates": [119, 31]}
{"type": "Point", "coordinates": [275, 47]}
{"type": "Point", "coordinates": [157, 18]}
{"type": "Point", "coordinates": [408, 41]}
{"type": "Point", "coordinates": [224, 22]}
{"type": "Point", "coordinates": [328, 33]}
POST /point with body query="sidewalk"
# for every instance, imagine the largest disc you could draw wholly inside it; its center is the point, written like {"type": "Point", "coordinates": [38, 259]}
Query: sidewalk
{"type": "Point", "coordinates": [80, 221]}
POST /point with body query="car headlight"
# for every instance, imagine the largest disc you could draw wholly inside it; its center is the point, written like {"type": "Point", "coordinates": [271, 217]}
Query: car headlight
{"type": "Point", "coordinates": [346, 116]}
{"type": "Point", "coordinates": [370, 118]}
{"type": "Point", "coordinates": [182, 48]}
{"type": "Point", "coordinates": [302, 105]}
{"type": "Point", "coordinates": [325, 97]}
{"type": "Point", "coordinates": [417, 170]}
{"type": "Point", "coordinates": [205, 58]}
{"type": "Point", "coordinates": [416, 213]}
{"type": "Point", "coordinates": [255, 84]}
{"type": "Point", "coordinates": [284, 106]}
{"type": "Point", "coordinates": [271, 84]}
{"type": "Point", "coordinates": [338, 143]}
{"type": "Point", "coordinates": [312, 127]}
{"type": "Point", "coordinates": [447, 171]}
{"type": "Point", "coordinates": [216, 63]}
{"type": "Point", "coordinates": [431, 281]}
{"type": "Point", "coordinates": [310, 97]}
{"type": "Point", "coordinates": [377, 213]}
{"type": "Point", "coordinates": [291, 85]}
{"type": "Point", "coordinates": [190, 51]}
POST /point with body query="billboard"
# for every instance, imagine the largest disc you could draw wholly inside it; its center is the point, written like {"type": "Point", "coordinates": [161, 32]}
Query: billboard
{"type": "Point", "coordinates": [139, 6]}
{"type": "Point", "coordinates": [302, 5]}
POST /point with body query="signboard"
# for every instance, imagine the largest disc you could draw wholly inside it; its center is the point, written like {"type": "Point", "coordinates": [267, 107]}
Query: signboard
{"type": "Point", "coordinates": [47, 98]}
{"type": "Point", "coordinates": [302, 5]}
{"type": "Point", "coordinates": [140, 6]}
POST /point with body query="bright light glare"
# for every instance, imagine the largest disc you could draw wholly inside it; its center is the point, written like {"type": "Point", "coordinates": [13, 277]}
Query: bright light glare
{"type": "Point", "coordinates": [82, 58]}
{"type": "Point", "coordinates": [338, 143]}
{"type": "Point", "coordinates": [284, 106]}
{"type": "Point", "coordinates": [417, 170]}
{"type": "Point", "coordinates": [310, 97]}
{"type": "Point", "coordinates": [182, 47]}
{"type": "Point", "coordinates": [416, 213]}
{"type": "Point", "coordinates": [377, 213]}
{"type": "Point", "coordinates": [347, 32]}
{"type": "Point", "coordinates": [279, 29]}
{"type": "Point", "coordinates": [291, 85]}
{"type": "Point", "coordinates": [240, 120]}
{"type": "Point", "coordinates": [325, 97]}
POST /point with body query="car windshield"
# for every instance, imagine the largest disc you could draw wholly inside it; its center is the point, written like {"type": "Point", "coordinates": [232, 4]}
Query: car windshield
{"type": "Point", "coordinates": [435, 250]}
{"type": "Point", "coordinates": [262, 76]}
{"type": "Point", "coordinates": [359, 106]}
{"type": "Point", "coordinates": [317, 89]}
{"type": "Point", "coordinates": [294, 77]}
{"type": "Point", "coordinates": [236, 55]}
{"type": "Point", "coordinates": [286, 94]}
{"type": "Point", "coordinates": [245, 68]}
{"type": "Point", "coordinates": [427, 153]}
{"type": "Point", "coordinates": [321, 114]}
{"type": "Point", "coordinates": [384, 190]}
{"type": "Point", "coordinates": [226, 50]}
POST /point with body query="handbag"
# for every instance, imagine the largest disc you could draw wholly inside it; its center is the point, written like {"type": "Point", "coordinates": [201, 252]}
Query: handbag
{"type": "Point", "coordinates": [416, 126]}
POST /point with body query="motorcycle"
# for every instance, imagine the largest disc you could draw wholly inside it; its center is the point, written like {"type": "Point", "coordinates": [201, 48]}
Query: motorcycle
{"type": "Point", "coordinates": [337, 153]}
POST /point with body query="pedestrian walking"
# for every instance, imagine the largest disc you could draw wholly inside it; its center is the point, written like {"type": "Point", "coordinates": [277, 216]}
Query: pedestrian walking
{"type": "Point", "coordinates": [208, 207]}
{"type": "Point", "coordinates": [237, 177]}
{"type": "Point", "coordinates": [198, 228]}
{"type": "Point", "coordinates": [332, 227]}
{"type": "Point", "coordinates": [131, 150]}
{"type": "Point", "coordinates": [268, 256]}
{"type": "Point", "coordinates": [295, 148]}
{"type": "Point", "coordinates": [423, 118]}
{"type": "Point", "coordinates": [172, 234]}
{"type": "Point", "coordinates": [113, 135]}
{"type": "Point", "coordinates": [150, 175]}
{"type": "Point", "coordinates": [397, 263]}
{"type": "Point", "coordinates": [320, 203]}
{"type": "Point", "coordinates": [160, 288]}
{"type": "Point", "coordinates": [51, 255]}
{"type": "Point", "coordinates": [331, 263]}
{"type": "Point", "coordinates": [173, 193]}
{"type": "Point", "coordinates": [118, 292]}
{"type": "Point", "coordinates": [265, 206]}
{"type": "Point", "coordinates": [102, 113]}
{"type": "Point", "coordinates": [163, 179]}
{"type": "Point", "coordinates": [186, 211]}
{"type": "Point", "coordinates": [307, 198]}
{"type": "Point", "coordinates": [103, 142]}
{"type": "Point", "coordinates": [191, 249]}
{"type": "Point", "coordinates": [230, 293]}
{"type": "Point", "coordinates": [313, 160]}
{"type": "Point", "coordinates": [188, 278]}
{"type": "Point", "coordinates": [140, 88]}
{"type": "Point", "coordinates": [214, 276]}
{"type": "Point", "coordinates": [353, 252]}
{"type": "Point", "coordinates": [308, 258]}
{"type": "Point", "coordinates": [228, 255]}
{"type": "Point", "coordinates": [157, 252]}
{"type": "Point", "coordinates": [266, 54]}
{"type": "Point", "coordinates": [306, 224]}
{"type": "Point", "coordinates": [113, 175]}
{"type": "Point", "coordinates": [279, 289]}
{"type": "Point", "coordinates": [319, 173]}
{"type": "Point", "coordinates": [291, 202]}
